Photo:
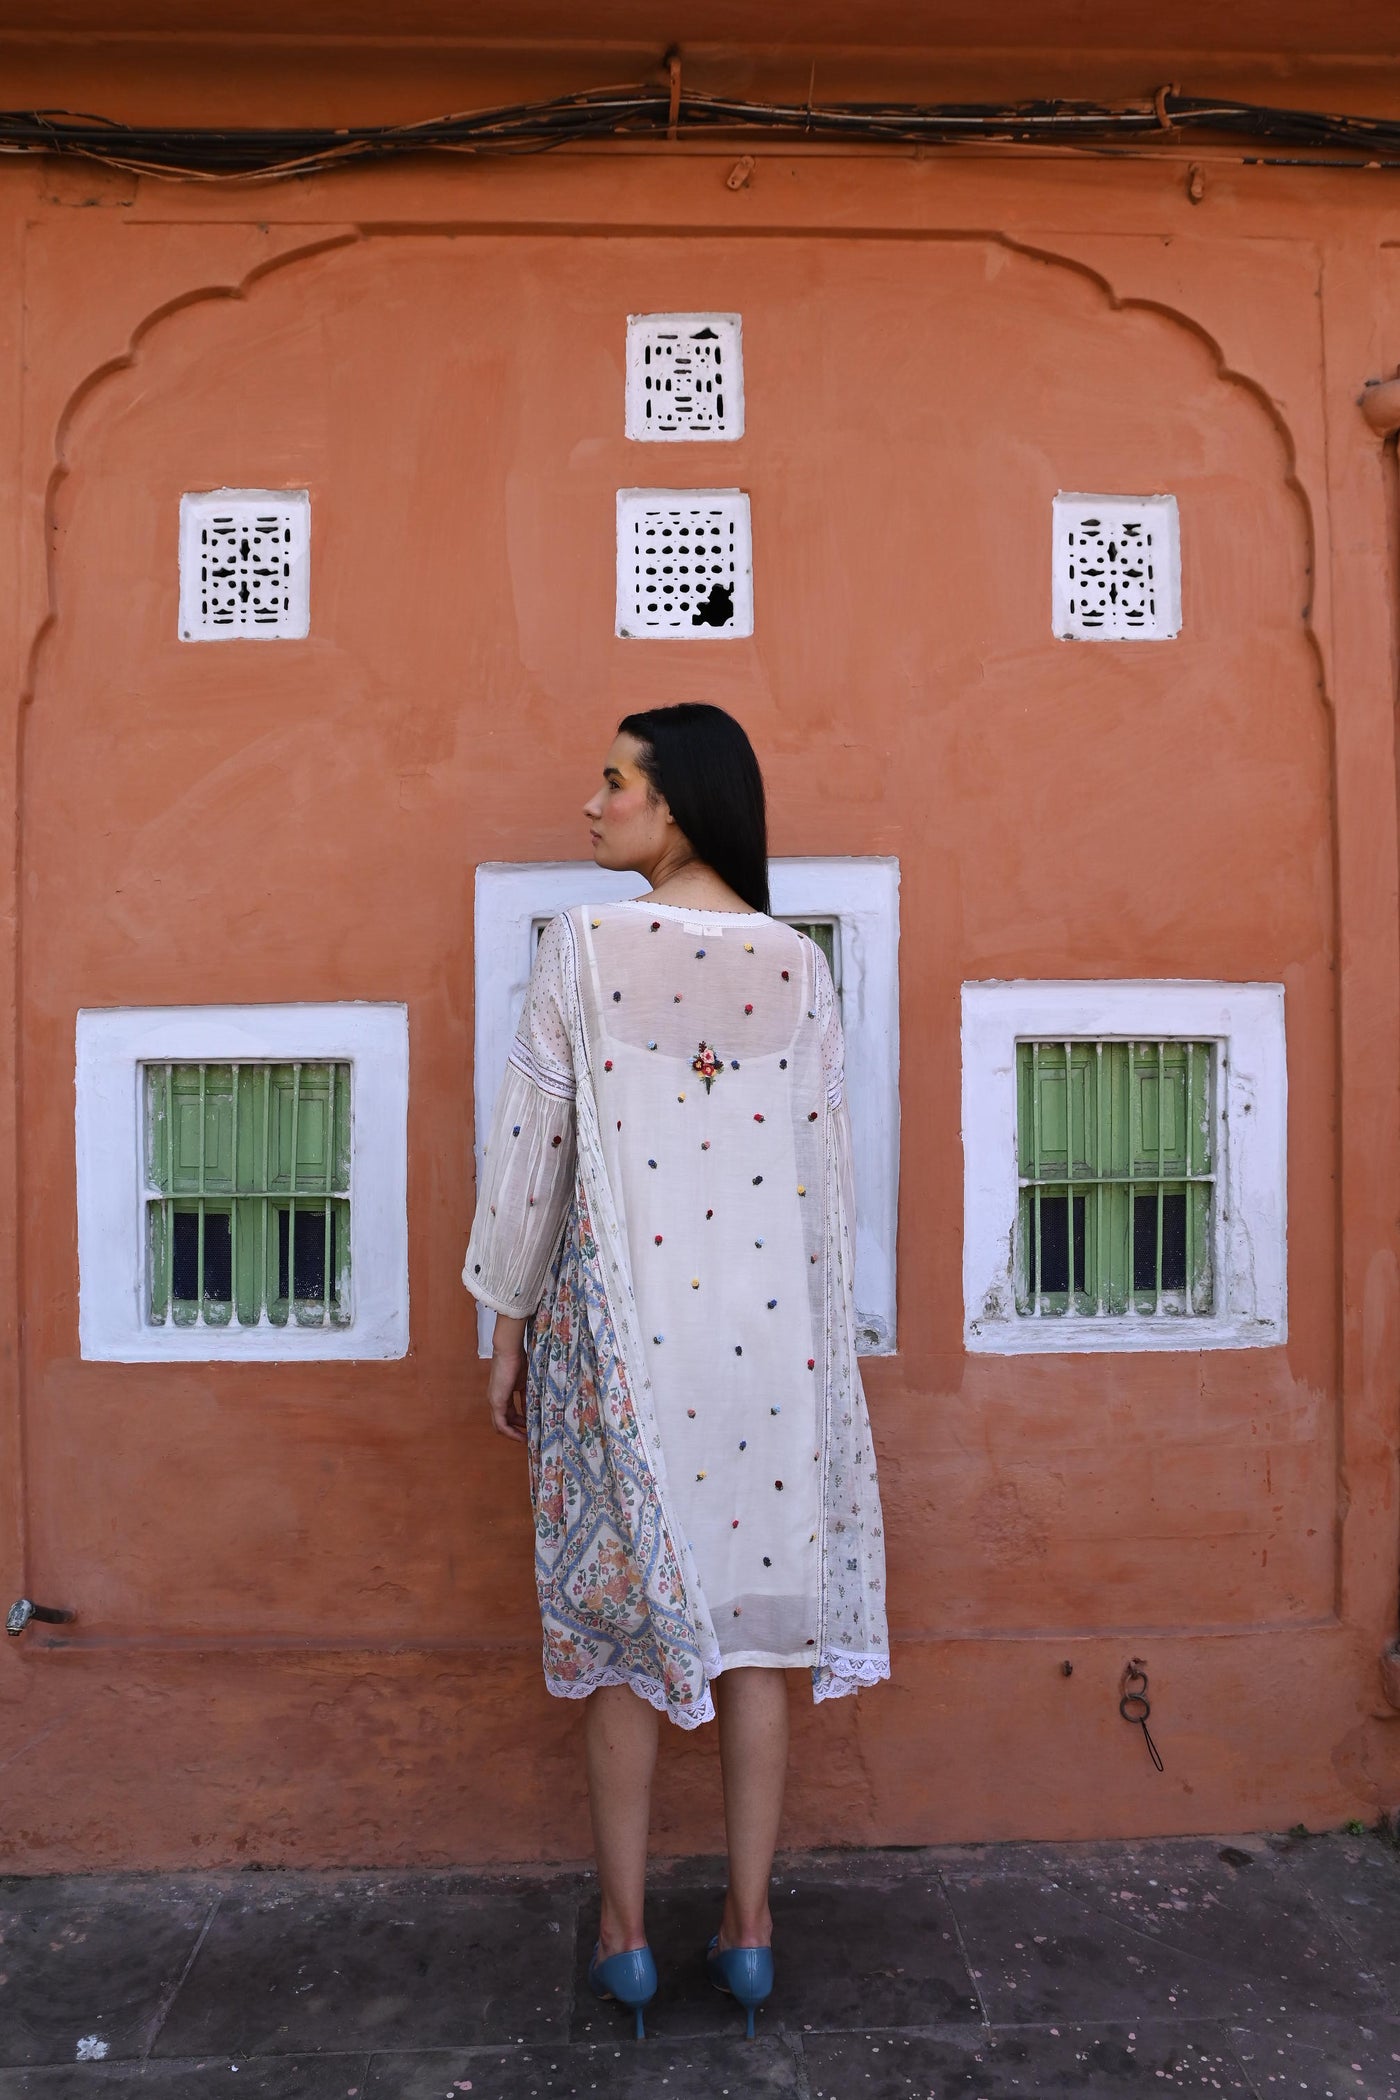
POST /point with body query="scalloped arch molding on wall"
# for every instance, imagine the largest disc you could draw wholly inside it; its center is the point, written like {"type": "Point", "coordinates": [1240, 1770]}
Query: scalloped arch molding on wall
{"type": "Point", "coordinates": [168, 313]}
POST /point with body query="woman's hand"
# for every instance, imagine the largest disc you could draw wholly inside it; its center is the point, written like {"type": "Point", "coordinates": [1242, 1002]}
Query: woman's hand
{"type": "Point", "coordinates": [505, 1386]}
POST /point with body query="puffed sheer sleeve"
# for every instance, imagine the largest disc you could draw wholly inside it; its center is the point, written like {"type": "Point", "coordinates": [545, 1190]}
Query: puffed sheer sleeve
{"type": "Point", "coordinates": [528, 1168]}
{"type": "Point", "coordinates": [828, 1014]}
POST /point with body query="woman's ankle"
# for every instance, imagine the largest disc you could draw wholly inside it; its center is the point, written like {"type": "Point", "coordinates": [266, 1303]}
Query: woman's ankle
{"type": "Point", "coordinates": [735, 1930]}
{"type": "Point", "coordinates": [617, 1938]}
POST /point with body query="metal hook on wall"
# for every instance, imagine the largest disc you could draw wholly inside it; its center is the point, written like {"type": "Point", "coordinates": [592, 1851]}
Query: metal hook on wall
{"type": "Point", "coordinates": [1133, 1705]}
{"type": "Point", "coordinates": [24, 1609]}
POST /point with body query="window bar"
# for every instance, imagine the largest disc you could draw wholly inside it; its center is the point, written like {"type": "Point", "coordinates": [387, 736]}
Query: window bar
{"type": "Point", "coordinates": [1035, 1172]}
{"type": "Point", "coordinates": [233, 1211]}
{"type": "Point", "coordinates": [199, 1228]}
{"type": "Point", "coordinates": [1071, 1305]}
{"type": "Point", "coordinates": [168, 1165]}
{"type": "Point", "coordinates": [1134, 1140]}
{"type": "Point", "coordinates": [292, 1203]}
{"type": "Point", "coordinates": [264, 1294]}
{"type": "Point", "coordinates": [330, 1172]}
{"type": "Point", "coordinates": [1191, 1185]}
{"type": "Point", "coordinates": [1098, 1182]}
{"type": "Point", "coordinates": [1161, 1168]}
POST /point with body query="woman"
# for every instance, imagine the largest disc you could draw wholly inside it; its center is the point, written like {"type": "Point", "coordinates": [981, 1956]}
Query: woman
{"type": "Point", "coordinates": [667, 1210]}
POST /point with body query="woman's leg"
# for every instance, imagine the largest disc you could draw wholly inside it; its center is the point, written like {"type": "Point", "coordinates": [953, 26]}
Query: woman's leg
{"type": "Point", "coordinates": [620, 1749]}
{"type": "Point", "coordinates": [753, 1751]}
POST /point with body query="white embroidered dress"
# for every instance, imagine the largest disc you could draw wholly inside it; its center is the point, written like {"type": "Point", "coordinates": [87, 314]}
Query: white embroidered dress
{"type": "Point", "coordinates": [668, 1190]}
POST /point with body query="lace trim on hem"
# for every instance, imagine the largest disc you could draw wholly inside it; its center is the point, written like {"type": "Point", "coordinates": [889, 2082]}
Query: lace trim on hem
{"type": "Point", "coordinates": [693, 1713]}
{"type": "Point", "coordinates": [846, 1674]}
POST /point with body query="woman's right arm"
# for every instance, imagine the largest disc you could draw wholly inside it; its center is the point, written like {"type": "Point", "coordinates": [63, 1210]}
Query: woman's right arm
{"type": "Point", "coordinates": [505, 1384]}
{"type": "Point", "coordinates": [528, 1160]}
{"type": "Point", "coordinates": [527, 1175]}
{"type": "Point", "coordinates": [526, 1181]}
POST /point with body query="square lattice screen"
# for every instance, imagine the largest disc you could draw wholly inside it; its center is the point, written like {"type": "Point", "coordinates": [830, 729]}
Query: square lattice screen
{"type": "Point", "coordinates": [1117, 568]}
{"type": "Point", "coordinates": [685, 376]}
{"type": "Point", "coordinates": [684, 563]}
{"type": "Point", "coordinates": [245, 564]}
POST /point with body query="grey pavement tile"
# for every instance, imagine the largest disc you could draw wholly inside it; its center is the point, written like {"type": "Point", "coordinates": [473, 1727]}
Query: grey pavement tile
{"type": "Point", "coordinates": [1193, 1939]}
{"type": "Point", "coordinates": [703, 2068]}
{"type": "Point", "coordinates": [196, 2078]}
{"type": "Point", "coordinates": [855, 1956]}
{"type": "Point", "coordinates": [1353, 2059]}
{"type": "Point", "coordinates": [1024, 2063]}
{"type": "Point", "coordinates": [1088, 1855]}
{"type": "Point", "coordinates": [87, 1961]}
{"type": "Point", "coordinates": [843, 1954]}
{"type": "Point", "coordinates": [1355, 1884]}
{"type": "Point", "coordinates": [305, 1964]}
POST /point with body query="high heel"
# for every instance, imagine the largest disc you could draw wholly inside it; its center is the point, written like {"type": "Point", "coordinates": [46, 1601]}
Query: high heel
{"type": "Point", "coordinates": [629, 1977]}
{"type": "Point", "coordinates": [745, 1972]}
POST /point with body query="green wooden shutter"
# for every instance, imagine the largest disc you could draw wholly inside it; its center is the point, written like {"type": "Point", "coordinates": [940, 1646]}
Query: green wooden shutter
{"type": "Point", "coordinates": [1116, 1165]}
{"type": "Point", "coordinates": [248, 1187]}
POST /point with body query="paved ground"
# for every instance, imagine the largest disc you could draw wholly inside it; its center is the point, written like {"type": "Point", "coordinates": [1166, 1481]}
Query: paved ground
{"type": "Point", "coordinates": [1254, 1966]}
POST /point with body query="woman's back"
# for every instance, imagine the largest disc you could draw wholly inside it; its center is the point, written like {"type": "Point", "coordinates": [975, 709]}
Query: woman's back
{"type": "Point", "coordinates": [705, 1033]}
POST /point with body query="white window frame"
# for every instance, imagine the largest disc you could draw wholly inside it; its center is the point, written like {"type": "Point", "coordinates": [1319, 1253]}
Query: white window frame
{"type": "Point", "coordinates": [861, 895]}
{"type": "Point", "coordinates": [112, 1046]}
{"type": "Point", "coordinates": [196, 508]}
{"type": "Point", "coordinates": [1250, 1243]}
{"type": "Point", "coordinates": [636, 503]}
{"type": "Point", "coordinates": [643, 329]}
{"type": "Point", "coordinates": [1161, 512]}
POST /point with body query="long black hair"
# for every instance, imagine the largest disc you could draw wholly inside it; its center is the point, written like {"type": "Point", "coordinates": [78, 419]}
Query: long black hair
{"type": "Point", "coordinates": [701, 761]}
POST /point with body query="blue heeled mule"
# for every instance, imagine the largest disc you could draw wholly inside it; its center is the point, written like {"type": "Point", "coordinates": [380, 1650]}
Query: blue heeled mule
{"type": "Point", "coordinates": [745, 1972]}
{"type": "Point", "coordinates": [628, 1977]}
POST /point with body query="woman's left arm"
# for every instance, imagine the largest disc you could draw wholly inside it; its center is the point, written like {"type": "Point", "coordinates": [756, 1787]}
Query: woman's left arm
{"type": "Point", "coordinates": [834, 1071]}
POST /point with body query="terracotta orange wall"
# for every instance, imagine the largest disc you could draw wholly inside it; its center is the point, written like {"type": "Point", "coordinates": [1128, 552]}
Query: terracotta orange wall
{"type": "Point", "coordinates": [306, 1620]}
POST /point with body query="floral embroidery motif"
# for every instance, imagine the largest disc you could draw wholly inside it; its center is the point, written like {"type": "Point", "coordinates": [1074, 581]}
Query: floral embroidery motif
{"type": "Point", "coordinates": [707, 1065]}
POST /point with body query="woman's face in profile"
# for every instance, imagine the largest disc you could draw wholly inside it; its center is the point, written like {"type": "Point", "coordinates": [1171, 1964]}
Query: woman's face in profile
{"type": "Point", "coordinates": [630, 825]}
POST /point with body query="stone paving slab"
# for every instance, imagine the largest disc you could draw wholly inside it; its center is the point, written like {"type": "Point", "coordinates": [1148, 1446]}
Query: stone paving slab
{"type": "Point", "coordinates": [1192, 1940]}
{"type": "Point", "coordinates": [92, 1960]}
{"type": "Point", "coordinates": [401, 1961]}
{"type": "Point", "coordinates": [1264, 1967]}
{"type": "Point", "coordinates": [325, 2077]}
{"type": "Point", "coordinates": [1352, 1883]}
{"type": "Point", "coordinates": [1325, 2059]}
{"type": "Point", "coordinates": [1025, 2064]}
{"type": "Point", "coordinates": [703, 2068]}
